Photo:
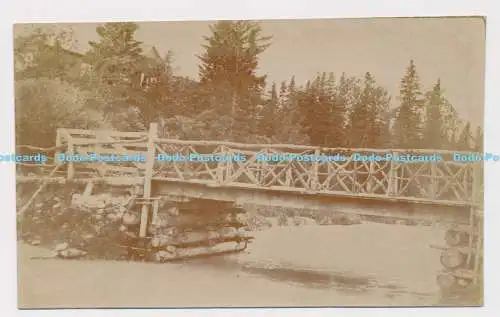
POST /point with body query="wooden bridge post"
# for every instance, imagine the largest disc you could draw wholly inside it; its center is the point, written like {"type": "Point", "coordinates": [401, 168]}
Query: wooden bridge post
{"type": "Point", "coordinates": [371, 184]}
{"type": "Point", "coordinates": [58, 145]}
{"type": "Point", "coordinates": [263, 169]}
{"type": "Point", "coordinates": [477, 194]}
{"type": "Point", "coordinates": [71, 166]}
{"type": "Point", "coordinates": [314, 177]}
{"type": "Point", "coordinates": [434, 180]}
{"type": "Point", "coordinates": [69, 151]}
{"type": "Point", "coordinates": [392, 186]}
{"type": "Point", "coordinates": [289, 175]}
{"type": "Point", "coordinates": [150, 161]}
{"type": "Point", "coordinates": [58, 139]}
{"type": "Point", "coordinates": [221, 166]}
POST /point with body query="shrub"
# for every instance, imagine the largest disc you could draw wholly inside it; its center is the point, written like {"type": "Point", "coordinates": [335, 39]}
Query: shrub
{"type": "Point", "coordinates": [43, 105]}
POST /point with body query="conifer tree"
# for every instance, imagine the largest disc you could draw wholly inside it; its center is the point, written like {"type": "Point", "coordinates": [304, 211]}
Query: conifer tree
{"type": "Point", "coordinates": [464, 140]}
{"type": "Point", "coordinates": [283, 94]}
{"type": "Point", "coordinates": [408, 123]}
{"type": "Point", "coordinates": [228, 66]}
{"type": "Point", "coordinates": [288, 119]}
{"type": "Point", "coordinates": [117, 53]}
{"type": "Point", "coordinates": [435, 133]}
{"type": "Point", "coordinates": [361, 117]}
{"type": "Point", "coordinates": [338, 114]}
{"type": "Point", "coordinates": [368, 125]}
{"type": "Point", "coordinates": [268, 117]}
{"type": "Point", "coordinates": [479, 140]}
{"type": "Point", "coordinates": [315, 112]}
{"type": "Point", "coordinates": [115, 58]}
{"type": "Point", "coordinates": [346, 97]}
{"type": "Point", "coordinates": [291, 85]}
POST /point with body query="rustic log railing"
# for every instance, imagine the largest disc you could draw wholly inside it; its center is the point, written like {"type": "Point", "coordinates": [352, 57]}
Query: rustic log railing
{"type": "Point", "coordinates": [443, 182]}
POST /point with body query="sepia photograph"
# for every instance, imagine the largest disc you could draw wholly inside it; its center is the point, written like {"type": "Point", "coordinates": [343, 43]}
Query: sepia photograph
{"type": "Point", "coordinates": [250, 163]}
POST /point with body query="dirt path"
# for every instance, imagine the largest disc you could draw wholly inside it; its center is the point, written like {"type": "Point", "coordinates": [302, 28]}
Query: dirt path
{"type": "Point", "coordinates": [368, 264]}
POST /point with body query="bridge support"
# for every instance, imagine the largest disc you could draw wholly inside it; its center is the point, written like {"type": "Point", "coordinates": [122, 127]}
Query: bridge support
{"type": "Point", "coordinates": [392, 186]}
{"type": "Point", "coordinates": [148, 175]}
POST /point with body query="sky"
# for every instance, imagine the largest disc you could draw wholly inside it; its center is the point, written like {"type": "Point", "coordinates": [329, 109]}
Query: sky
{"type": "Point", "coordinates": [451, 49]}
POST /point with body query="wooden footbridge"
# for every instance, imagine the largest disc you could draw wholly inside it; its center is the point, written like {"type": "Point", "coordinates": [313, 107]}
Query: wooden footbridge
{"type": "Point", "coordinates": [441, 190]}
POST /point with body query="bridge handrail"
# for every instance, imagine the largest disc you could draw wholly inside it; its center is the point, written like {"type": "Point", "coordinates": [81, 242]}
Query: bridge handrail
{"type": "Point", "coordinates": [440, 181]}
{"type": "Point", "coordinates": [303, 147]}
{"type": "Point", "coordinates": [144, 136]}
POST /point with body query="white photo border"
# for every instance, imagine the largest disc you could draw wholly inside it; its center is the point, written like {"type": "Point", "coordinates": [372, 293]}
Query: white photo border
{"type": "Point", "coordinates": [160, 10]}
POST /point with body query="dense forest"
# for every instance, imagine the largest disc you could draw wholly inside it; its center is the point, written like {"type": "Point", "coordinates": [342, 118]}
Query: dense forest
{"type": "Point", "coordinates": [117, 84]}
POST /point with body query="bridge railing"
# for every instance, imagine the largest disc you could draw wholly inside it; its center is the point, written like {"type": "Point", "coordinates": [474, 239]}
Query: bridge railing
{"type": "Point", "coordinates": [339, 172]}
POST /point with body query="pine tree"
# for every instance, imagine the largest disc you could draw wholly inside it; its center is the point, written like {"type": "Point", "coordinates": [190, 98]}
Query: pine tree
{"type": "Point", "coordinates": [283, 95]}
{"type": "Point", "coordinates": [229, 65]}
{"type": "Point", "coordinates": [316, 109]}
{"type": "Point", "coordinates": [288, 119]}
{"type": "Point", "coordinates": [408, 123]}
{"type": "Point", "coordinates": [328, 102]}
{"type": "Point", "coordinates": [368, 125]}
{"type": "Point", "coordinates": [116, 59]}
{"type": "Point", "coordinates": [338, 113]}
{"type": "Point", "coordinates": [160, 87]}
{"type": "Point", "coordinates": [361, 117]}
{"type": "Point", "coordinates": [291, 85]}
{"type": "Point", "coordinates": [117, 53]}
{"type": "Point", "coordinates": [346, 97]}
{"type": "Point", "coordinates": [330, 84]}
{"type": "Point", "coordinates": [479, 140]}
{"type": "Point", "coordinates": [435, 134]}
{"type": "Point", "coordinates": [267, 122]}
{"type": "Point", "coordinates": [464, 140]}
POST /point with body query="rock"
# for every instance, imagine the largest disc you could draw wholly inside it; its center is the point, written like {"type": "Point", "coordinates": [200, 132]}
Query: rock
{"type": "Point", "coordinates": [241, 218]}
{"type": "Point", "coordinates": [298, 221]}
{"type": "Point", "coordinates": [161, 256]}
{"type": "Point", "coordinates": [228, 232]}
{"type": "Point", "coordinates": [129, 218]}
{"type": "Point", "coordinates": [130, 234]}
{"type": "Point", "coordinates": [282, 220]}
{"type": "Point", "coordinates": [35, 242]}
{"type": "Point", "coordinates": [112, 217]}
{"type": "Point", "coordinates": [171, 249]}
{"type": "Point", "coordinates": [354, 219]}
{"type": "Point", "coordinates": [160, 241]}
{"type": "Point", "coordinates": [173, 211]}
{"type": "Point", "coordinates": [243, 232]}
{"type": "Point", "coordinates": [53, 254]}
{"type": "Point", "coordinates": [61, 247]}
{"type": "Point", "coordinates": [172, 232]}
{"type": "Point", "coordinates": [156, 241]}
{"type": "Point", "coordinates": [213, 235]}
{"type": "Point", "coordinates": [72, 253]}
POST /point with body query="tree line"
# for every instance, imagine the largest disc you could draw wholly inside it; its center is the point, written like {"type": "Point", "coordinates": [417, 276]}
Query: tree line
{"type": "Point", "coordinates": [116, 84]}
